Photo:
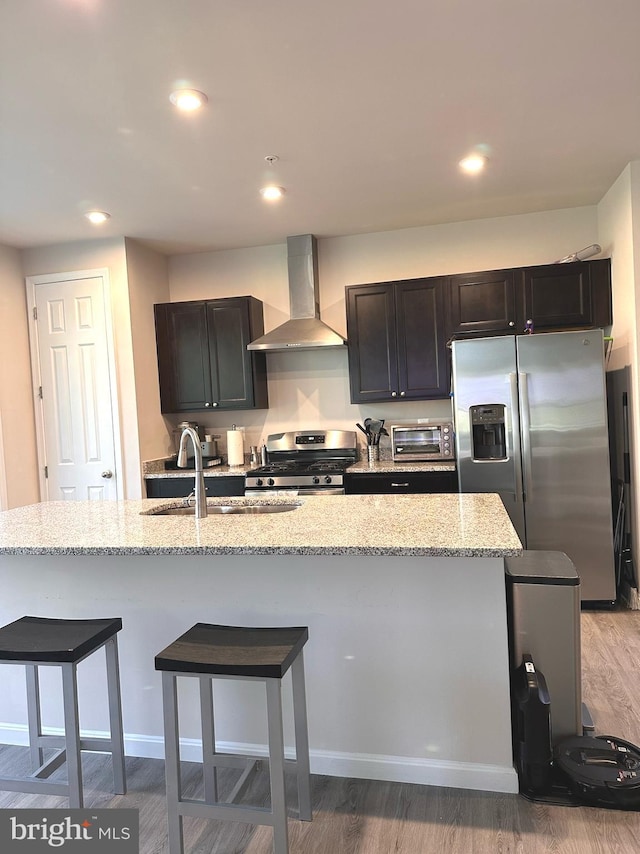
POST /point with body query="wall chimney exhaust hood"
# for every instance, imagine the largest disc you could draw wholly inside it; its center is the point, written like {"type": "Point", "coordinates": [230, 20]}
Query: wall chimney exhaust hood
{"type": "Point", "coordinates": [304, 330]}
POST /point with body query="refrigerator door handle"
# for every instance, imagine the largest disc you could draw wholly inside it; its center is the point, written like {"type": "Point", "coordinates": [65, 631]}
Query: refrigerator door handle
{"type": "Point", "coordinates": [515, 450]}
{"type": "Point", "coordinates": [525, 422]}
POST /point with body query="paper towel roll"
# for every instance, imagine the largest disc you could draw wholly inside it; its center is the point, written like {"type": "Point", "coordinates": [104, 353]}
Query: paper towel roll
{"type": "Point", "coordinates": [235, 448]}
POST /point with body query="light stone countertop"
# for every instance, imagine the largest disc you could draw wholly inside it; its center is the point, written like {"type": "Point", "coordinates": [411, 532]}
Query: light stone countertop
{"type": "Point", "coordinates": [451, 525]}
{"type": "Point", "coordinates": [152, 471]}
{"type": "Point", "coordinates": [389, 467]}
{"type": "Point", "coordinates": [155, 469]}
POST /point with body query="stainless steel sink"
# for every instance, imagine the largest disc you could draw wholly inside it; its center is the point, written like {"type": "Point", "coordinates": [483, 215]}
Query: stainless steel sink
{"type": "Point", "coordinates": [225, 509]}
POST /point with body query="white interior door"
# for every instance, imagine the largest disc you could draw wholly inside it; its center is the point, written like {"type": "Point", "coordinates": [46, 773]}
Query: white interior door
{"type": "Point", "coordinates": [77, 435]}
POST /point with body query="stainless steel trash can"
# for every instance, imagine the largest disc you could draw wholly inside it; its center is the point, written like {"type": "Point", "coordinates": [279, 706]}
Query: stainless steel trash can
{"type": "Point", "coordinates": [543, 606]}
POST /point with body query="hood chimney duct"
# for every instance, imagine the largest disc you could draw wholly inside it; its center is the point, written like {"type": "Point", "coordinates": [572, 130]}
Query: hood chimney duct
{"type": "Point", "coordinates": [304, 330]}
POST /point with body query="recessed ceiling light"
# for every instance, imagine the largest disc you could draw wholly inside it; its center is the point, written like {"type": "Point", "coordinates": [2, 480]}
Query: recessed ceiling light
{"type": "Point", "coordinates": [97, 217]}
{"type": "Point", "coordinates": [272, 193]}
{"type": "Point", "coordinates": [473, 164]}
{"type": "Point", "coordinates": [188, 99]}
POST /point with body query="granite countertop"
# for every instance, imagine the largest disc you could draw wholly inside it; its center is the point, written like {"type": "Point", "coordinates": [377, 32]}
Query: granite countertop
{"type": "Point", "coordinates": [152, 470]}
{"type": "Point", "coordinates": [389, 467]}
{"type": "Point", "coordinates": [452, 525]}
{"type": "Point", "coordinates": [155, 469]}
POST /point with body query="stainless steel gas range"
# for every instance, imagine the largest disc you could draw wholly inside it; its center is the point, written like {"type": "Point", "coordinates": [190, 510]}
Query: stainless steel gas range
{"type": "Point", "coordinates": [304, 462]}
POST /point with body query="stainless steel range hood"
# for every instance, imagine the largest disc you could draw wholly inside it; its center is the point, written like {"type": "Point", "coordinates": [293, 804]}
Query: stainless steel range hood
{"type": "Point", "coordinates": [304, 330]}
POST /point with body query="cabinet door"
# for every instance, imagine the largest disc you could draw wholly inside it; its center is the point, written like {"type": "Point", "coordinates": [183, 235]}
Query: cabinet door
{"type": "Point", "coordinates": [183, 356]}
{"type": "Point", "coordinates": [401, 483]}
{"type": "Point", "coordinates": [372, 343]}
{"type": "Point", "coordinates": [557, 296]}
{"type": "Point", "coordinates": [229, 359]}
{"type": "Point", "coordinates": [423, 363]}
{"type": "Point", "coordinates": [203, 360]}
{"type": "Point", "coordinates": [483, 302]}
{"type": "Point", "coordinates": [179, 487]}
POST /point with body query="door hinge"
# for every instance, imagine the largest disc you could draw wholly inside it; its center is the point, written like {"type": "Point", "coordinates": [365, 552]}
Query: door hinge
{"type": "Point", "coordinates": [46, 471]}
{"type": "Point", "coordinates": [35, 312]}
{"type": "Point", "coordinates": [40, 392]}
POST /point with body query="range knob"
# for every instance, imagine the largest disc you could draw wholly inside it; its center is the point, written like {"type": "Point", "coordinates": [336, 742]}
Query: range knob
{"type": "Point", "coordinates": [327, 479]}
{"type": "Point", "coordinates": [270, 481]}
{"type": "Point", "coordinates": [259, 482]}
{"type": "Point", "coordinates": [316, 479]}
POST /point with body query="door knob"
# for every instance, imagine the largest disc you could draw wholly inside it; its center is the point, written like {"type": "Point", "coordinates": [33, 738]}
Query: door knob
{"type": "Point", "coordinates": [107, 474]}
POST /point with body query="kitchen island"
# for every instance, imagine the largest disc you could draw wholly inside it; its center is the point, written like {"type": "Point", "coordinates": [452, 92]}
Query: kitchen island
{"type": "Point", "coordinates": [407, 661]}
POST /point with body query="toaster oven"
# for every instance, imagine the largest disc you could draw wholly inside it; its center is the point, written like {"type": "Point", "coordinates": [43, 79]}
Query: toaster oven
{"type": "Point", "coordinates": [422, 440]}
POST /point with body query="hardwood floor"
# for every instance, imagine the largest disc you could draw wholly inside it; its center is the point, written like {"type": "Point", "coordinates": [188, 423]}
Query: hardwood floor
{"type": "Point", "coordinates": [368, 817]}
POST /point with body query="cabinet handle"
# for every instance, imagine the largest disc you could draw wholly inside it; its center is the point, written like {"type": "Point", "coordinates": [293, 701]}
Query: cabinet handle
{"type": "Point", "coordinates": [215, 403]}
{"type": "Point", "coordinates": [207, 403]}
{"type": "Point", "coordinates": [402, 394]}
{"type": "Point", "coordinates": [394, 394]}
{"type": "Point", "coordinates": [511, 323]}
{"type": "Point", "coordinates": [399, 484]}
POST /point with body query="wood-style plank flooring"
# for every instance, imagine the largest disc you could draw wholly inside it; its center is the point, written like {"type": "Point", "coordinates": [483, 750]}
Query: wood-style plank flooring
{"type": "Point", "coordinates": [365, 817]}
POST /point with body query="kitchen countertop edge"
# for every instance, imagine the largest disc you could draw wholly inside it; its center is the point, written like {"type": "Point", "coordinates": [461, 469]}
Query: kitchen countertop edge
{"type": "Point", "coordinates": [359, 467]}
{"type": "Point", "coordinates": [437, 525]}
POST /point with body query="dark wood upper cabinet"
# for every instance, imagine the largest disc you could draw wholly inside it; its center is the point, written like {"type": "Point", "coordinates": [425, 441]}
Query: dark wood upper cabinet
{"type": "Point", "coordinates": [398, 331]}
{"type": "Point", "coordinates": [203, 360]}
{"type": "Point", "coordinates": [397, 341]}
{"type": "Point", "coordinates": [549, 297]}
{"type": "Point", "coordinates": [484, 302]}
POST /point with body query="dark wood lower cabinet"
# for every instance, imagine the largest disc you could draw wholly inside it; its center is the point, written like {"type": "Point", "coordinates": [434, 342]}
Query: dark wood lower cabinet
{"type": "Point", "coordinates": [401, 482]}
{"type": "Point", "coordinates": [179, 487]}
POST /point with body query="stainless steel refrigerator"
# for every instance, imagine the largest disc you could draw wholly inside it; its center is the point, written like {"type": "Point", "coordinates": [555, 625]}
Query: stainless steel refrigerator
{"type": "Point", "coordinates": [531, 424]}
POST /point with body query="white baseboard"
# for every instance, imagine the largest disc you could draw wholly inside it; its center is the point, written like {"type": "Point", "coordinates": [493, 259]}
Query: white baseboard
{"type": "Point", "coordinates": [363, 766]}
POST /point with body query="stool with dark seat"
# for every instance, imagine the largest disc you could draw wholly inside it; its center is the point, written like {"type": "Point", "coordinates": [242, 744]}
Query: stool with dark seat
{"type": "Point", "coordinates": [39, 641]}
{"type": "Point", "coordinates": [230, 652]}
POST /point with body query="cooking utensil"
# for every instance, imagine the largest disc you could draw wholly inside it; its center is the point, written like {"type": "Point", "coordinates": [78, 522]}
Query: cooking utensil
{"type": "Point", "coordinates": [360, 427]}
{"type": "Point", "coordinates": [375, 427]}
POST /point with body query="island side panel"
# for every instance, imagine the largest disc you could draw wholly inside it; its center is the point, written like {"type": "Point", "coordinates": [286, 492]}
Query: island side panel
{"type": "Point", "coordinates": [407, 661]}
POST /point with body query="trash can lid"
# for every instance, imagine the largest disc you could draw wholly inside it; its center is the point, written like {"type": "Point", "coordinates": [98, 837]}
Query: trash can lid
{"type": "Point", "coordinates": [541, 567]}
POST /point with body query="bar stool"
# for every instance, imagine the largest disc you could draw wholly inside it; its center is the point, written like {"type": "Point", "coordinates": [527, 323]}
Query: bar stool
{"type": "Point", "coordinates": [206, 652]}
{"type": "Point", "coordinates": [40, 641]}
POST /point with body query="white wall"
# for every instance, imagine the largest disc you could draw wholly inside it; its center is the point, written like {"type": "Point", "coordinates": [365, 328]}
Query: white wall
{"type": "Point", "coordinates": [311, 388]}
{"type": "Point", "coordinates": [619, 235]}
{"type": "Point", "coordinates": [18, 463]}
{"type": "Point", "coordinates": [148, 283]}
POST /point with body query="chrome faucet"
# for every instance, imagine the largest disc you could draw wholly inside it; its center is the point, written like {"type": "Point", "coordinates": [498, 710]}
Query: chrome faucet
{"type": "Point", "coordinates": [201, 497]}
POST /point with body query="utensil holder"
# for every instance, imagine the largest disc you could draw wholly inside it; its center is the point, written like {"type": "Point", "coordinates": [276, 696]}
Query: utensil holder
{"type": "Point", "coordinates": [373, 453]}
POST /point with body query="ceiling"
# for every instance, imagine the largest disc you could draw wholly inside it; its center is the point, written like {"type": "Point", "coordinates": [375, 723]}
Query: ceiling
{"type": "Point", "coordinates": [369, 105]}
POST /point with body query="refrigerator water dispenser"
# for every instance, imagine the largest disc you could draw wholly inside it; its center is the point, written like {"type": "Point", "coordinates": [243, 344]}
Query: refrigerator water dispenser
{"type": "Point", "coordinates": [488, 435]}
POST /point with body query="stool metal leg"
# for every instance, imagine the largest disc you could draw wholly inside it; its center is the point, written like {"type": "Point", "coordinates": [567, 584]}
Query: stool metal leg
{"type": "Point", "coordinates": [276, 766]}
{"type": "Point", "coordinates": [115, 716]}
{"type": "Point", "coordinates": [72, 734]}
{"type": "Point", "coordinates": [302, 738]}
{"type": "Point", "coordinates": [172, 762]}
{"type": "Point", "coordinates": [33, 715]}
{"type": "Point", "coordinates": [209, 770]}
